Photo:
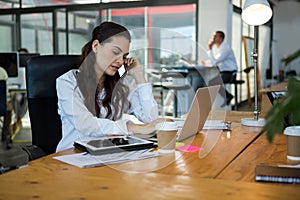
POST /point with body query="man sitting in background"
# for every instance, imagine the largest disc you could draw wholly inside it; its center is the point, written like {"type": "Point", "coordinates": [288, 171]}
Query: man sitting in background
{"type": "Point", "coordinates": [221, 55]}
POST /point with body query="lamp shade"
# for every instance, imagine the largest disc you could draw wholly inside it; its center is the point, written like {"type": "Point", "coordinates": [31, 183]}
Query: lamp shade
{"type": "Point", "coordinates": [256, 12]}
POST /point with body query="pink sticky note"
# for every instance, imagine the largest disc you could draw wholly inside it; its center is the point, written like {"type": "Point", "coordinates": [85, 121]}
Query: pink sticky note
{"type": "Point", "coordinates": [189, 148]}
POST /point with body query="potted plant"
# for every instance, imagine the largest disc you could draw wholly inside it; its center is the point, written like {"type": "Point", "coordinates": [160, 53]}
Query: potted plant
{"type": "Point", "coordinates": [285, 111]}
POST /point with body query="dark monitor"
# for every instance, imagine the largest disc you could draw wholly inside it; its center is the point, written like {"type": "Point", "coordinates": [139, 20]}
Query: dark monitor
{"type": "Point", "coordinates": [24, 57]}
{"type": "Point", "coordinates": [274, 95]}
{"type": "Point", "coordinates": [10, 62]}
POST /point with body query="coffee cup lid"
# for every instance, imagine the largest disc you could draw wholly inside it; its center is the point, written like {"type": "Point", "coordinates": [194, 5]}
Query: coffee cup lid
{"type": "Point", "coordinates": [292, 130]}
{"type": "Point", "coordinates": [168, 126]}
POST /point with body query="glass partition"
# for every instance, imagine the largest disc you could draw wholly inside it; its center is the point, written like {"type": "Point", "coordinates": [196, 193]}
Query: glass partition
{"type": "Point", "coordinates": [36, 32]}
{"type": "Point", "coordinates": [5, 4]}
{"type": "Point", "coordinates": [9, 4]}
{"type": "Point", "coordinates": [39, 3]}
{"type": "Point", "coordinates": [65, 29]}
{"type": "Point", "coordinates": [7, 32]}
{"type": "Point", "coordinates": [61, 40]}
{"type": "Point", "coordinates": [162, 35]}
{"type": "Point", "coordinates": [80, 26]}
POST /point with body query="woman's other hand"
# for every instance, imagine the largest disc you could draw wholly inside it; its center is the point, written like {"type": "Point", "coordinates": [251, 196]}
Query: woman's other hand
{"type": "Point", "coordinates": [147, 128]}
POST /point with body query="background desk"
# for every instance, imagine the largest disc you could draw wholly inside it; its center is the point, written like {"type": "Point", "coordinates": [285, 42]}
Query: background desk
{"type": "Point", "coordinates": [260, 151]}
{"type": "Point", "coordinates": [197, 77]}
{"type": "Point", "coordinates": [226, 172]}
{"type": "Point", "coordinates": [265, 102]}
{"type": "Point", "coordinates": [200, 75]}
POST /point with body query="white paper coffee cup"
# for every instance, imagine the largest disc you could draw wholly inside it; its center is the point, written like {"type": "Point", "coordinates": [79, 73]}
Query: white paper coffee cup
{"type": "Point", "coordinates": [166, 136]}
{"type": "Point", "coordinates": [293, 143]}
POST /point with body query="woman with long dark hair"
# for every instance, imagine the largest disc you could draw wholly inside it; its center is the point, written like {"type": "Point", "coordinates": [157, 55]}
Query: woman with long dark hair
{"type": "Point", "coordinates": [92, 99]}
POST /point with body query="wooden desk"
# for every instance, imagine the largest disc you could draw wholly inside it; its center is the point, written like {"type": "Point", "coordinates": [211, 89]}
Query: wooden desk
{"type": "Point", "coordinates": [259, 152]}
{"type": "Point", "coordinates": [64, 182]}
{"type": "Point", "coordinates": [216, 176]}
{"type": "Point", "coordinates": [227, 147]}
{"type": "Point", "coordinates": [221, 147]}
{"type": "Point", "coordinates": [231, 115]}
{"type": "Point", "coordinates": [186, 80]}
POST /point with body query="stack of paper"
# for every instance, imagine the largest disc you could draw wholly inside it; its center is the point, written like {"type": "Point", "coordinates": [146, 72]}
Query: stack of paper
{"type": "Point", "coordinates": [84, 160]}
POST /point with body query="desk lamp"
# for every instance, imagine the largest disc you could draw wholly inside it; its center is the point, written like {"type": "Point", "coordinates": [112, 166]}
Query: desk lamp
{"type": "Point", "coordinates": [255, 13]}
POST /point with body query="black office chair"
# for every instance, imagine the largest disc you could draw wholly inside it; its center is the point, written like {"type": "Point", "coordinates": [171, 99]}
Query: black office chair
{"type": "Point", "coordinates": [41, 74]}
{"type": "Point", "coordinates": [3, 97]}
{"type": "Point", "coordinates": [236, 83]}
{"type": "Point", "coordinates": [12, 158]}
{"type": "Point", "coordinates": [3, 108]}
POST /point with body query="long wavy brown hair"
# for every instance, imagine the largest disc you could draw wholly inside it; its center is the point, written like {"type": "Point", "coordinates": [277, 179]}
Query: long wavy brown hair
{"type": "Point", "coordinates": [116, 93]}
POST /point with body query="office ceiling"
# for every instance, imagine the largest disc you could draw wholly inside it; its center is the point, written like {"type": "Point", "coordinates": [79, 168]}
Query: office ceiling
{"type": "Point", "coordinates": [66, 2]}
{"type": "Point", "coordinates": [289, 0]}
{"type": "Point", "coordinates": [55, 2]}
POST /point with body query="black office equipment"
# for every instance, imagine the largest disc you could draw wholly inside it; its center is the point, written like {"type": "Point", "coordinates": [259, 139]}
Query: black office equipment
{"type": "Point", "coordinates": [4, 129]}
{"type": "Point", "coordinates": [10, 62]}
{"type": "Point", "coordinates": [275, 95]}
{"type": "Point", "coordinates": [236, 82]}
{"type": "Point", "coordinates": [24, 58]}
{"type": "Point", "coordinates": [114, 144]}
{"type": "Point", "coordinates": [3, 97]}
{"type": "Point", "coordinates": [41, 74]}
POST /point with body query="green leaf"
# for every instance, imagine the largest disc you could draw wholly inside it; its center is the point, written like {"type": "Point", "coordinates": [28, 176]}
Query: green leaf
{"type": "Point", "coordinates": [289, 106]}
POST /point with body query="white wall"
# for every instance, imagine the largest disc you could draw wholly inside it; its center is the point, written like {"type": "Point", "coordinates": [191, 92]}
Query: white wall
{"type": "Point", "coordinates": [286, 37]}
{"type": "Point", "coordinates": [213, 15]}
{"type": "Point", "coordinates": [216, 14]}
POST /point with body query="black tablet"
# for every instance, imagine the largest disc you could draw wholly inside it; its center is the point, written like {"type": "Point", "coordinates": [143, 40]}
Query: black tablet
{"type": "Point", "coordinates": [114, 144]}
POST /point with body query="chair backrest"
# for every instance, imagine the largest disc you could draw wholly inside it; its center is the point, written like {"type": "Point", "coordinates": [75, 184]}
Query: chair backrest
{"type": "Point", "coordinates": [3, 97]}
{"type": "Point", "coordinates": [41, 74]}
{"type": "Point", "coordinates": [233, 77]}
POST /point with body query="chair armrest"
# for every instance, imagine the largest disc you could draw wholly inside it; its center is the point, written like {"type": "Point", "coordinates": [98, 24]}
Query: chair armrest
{"type": "Point", "coordinates": [34, 152]}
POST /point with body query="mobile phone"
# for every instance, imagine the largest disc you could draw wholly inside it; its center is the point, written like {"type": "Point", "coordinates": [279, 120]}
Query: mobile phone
{"type": "Point", "coordinates": [123, 71]}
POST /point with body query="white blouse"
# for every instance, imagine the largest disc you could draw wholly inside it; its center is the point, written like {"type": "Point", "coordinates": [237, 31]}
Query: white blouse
{"type": "Point", "coordinates": [78, 123]}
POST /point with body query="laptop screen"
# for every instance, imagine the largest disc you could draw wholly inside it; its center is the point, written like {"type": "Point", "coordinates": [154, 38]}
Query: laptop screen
{"type": "Point", "coordinates": [10, 62]}
{"type": "Point", "coordinates": [273, 96]}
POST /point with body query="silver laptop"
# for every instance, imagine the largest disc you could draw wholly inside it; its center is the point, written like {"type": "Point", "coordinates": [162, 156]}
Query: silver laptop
{"type": "Point", "coordinates": [198, 112]}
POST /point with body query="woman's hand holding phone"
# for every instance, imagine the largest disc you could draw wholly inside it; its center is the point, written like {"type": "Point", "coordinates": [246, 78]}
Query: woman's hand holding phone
{"type": "Point", "coordinates": [135, 69]}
